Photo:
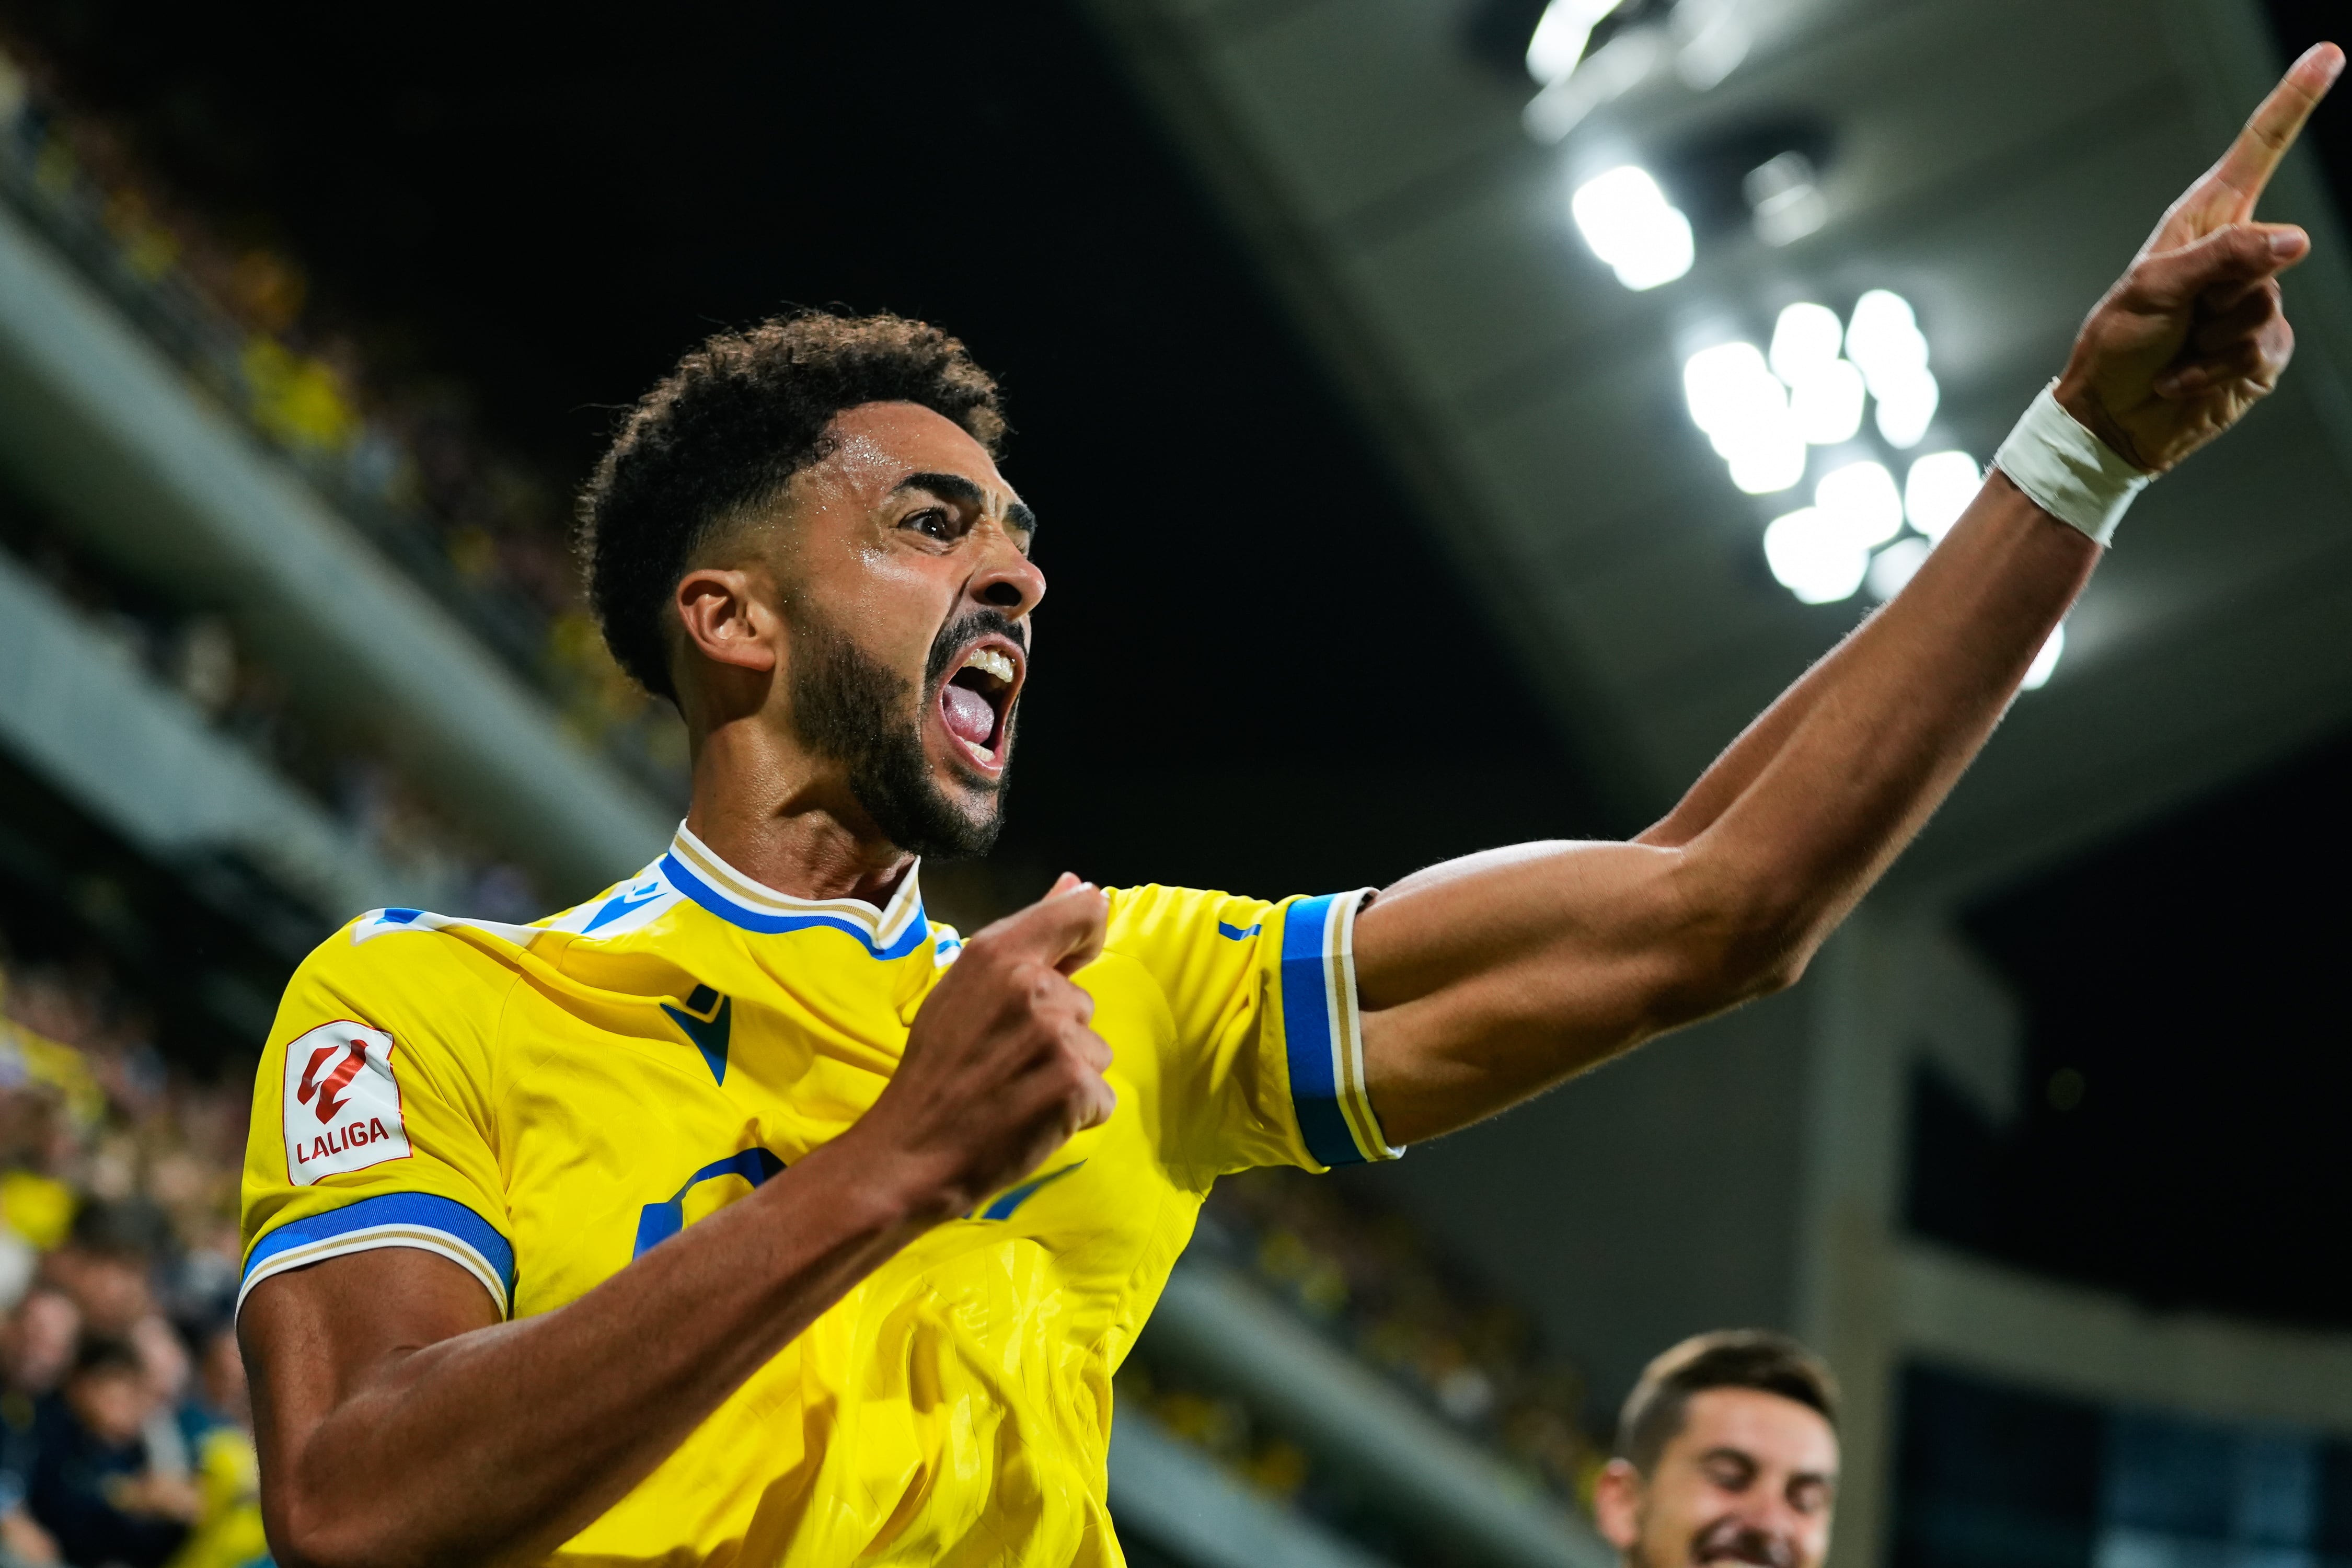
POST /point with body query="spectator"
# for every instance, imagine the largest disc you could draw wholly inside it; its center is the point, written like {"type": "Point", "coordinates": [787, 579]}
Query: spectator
{"type": "Point", "coordinates": [37, 1341]}
{"type": "Point", "coordinates": [1727, 1452]}
{"type": "Point", "coordinates": [107, 1264]}
{"type": "Point", "coordinates": [94, 1487]}
{"type": "Point", "coordinates": [229, 1533]}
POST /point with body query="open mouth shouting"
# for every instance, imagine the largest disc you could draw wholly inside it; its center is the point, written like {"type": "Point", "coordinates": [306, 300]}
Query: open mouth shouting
{"type": "Point", "coordinates": [976, 702]}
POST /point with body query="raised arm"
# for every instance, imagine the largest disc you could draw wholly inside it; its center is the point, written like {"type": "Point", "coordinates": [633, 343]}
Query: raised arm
{"type": "Point", "coordinates": [1488, 979]}
{"type": "Point", "coordinates": [401, 1424]}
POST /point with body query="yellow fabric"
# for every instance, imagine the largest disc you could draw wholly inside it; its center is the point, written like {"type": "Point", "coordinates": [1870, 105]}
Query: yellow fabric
{"type": "Point", "coordinates": [25, 1057]}
{"type": "Point", "coordinates": [38, 1208]}
{"type": "Point", "coordinates": [229, 1533]}
{"type": "Point", "coordinates": [954, 1407]}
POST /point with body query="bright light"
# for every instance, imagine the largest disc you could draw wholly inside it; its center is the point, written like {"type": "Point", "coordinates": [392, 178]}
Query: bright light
{"type": "Point", "coordinates": [2037, 674]}
{"type": "Point", "coordinates": [1805, 338]}
{"type": "Point", "coordinates": [1629, 225]}
{"type": "Point", "coordinates": [1728, 385]}
{"type": "Point", "coordinates": [1560, 36]}
{"type": "Point", "coordinates": [1894, 566]}
{"type": "Point", "coordinates": [1772, 462]}
{"type": "Point", "coordinates": [1827, 401]}
{"type": "Point", "coordinates": [1906, 407]}
{"type": "Point", "coordinates": [1939, 488]}
{"type": "Point", "coordinates": [1815, 556]}
{"type": "Point", "coordinates": [1884, 340]}
{"type": "Point", "coordinates": [1744, 410]}
{"type": "Point", "coordinates": [1862, 499]}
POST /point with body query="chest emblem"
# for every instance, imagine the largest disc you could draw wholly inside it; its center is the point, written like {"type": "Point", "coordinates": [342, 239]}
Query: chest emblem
{"type": "Point", "coordinates": [705, 1018]}
{"type": "Point", "coordinates": [1007, 1202]}
{"type": "Point", "coordinates": [657, 1222]}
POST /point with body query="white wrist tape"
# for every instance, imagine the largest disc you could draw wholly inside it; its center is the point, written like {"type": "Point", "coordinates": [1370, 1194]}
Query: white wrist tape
{"type": "Point", "coordinates": [2067, 471]}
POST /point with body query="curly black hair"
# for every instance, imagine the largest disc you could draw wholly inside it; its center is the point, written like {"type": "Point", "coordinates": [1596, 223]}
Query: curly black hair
{"type": "Point", "coordinates": [727, 429]}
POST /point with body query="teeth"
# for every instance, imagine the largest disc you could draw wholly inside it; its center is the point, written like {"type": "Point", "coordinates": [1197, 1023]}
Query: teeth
{"type": "Point", "coordinates": [980, 753]}
{"type": "Point", "coordinates": [991, 661]}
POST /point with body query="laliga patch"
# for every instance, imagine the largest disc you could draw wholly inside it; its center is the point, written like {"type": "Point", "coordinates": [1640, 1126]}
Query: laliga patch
{"type": "Point", "coordinates": [343, 1104]}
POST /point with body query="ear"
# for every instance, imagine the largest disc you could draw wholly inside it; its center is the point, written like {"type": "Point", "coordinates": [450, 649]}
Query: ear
{"type": "Point", "coordinates": [1617, 1504]}
{"type": "Point", "coordinates": [725, 621]}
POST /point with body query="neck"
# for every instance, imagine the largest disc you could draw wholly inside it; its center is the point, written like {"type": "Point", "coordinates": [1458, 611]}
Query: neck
{"type": "Point", "coordinates": [787, 821]}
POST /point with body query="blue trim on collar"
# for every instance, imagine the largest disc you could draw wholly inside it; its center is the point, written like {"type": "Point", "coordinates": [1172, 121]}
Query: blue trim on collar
{"type": "Point", "coordinates": [682, 878]}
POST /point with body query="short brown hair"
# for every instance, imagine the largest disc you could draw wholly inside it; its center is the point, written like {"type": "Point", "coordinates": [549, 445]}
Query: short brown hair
{"type": "Point", "coordinates": [738, 418]}
{"type": "Point", "coordinates": [1727, 1358]}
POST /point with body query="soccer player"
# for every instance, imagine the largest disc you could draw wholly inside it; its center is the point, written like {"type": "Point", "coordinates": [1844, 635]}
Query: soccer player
{"type": "Point", "coordinates": [1726, 1452]}
{"type": "Point", "coordinates": [742, 1215]}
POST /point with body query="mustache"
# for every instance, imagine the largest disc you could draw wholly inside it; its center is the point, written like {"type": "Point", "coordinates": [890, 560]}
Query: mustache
{"type": "Point", "coordinates": [960, 633]}
{"type": "Point", "coordinates": [1732, 1540]}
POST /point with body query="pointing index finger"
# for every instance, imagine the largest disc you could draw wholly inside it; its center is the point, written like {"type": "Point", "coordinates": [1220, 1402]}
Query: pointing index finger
{"type": "Point", "coordinates": [2254, 156]}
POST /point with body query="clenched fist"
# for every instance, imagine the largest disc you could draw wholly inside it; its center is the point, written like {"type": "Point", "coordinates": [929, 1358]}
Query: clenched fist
{"type": "Point", "coordinates": [2194, 334]}
{"type": "Point", "coordinates": [1002, 1066]}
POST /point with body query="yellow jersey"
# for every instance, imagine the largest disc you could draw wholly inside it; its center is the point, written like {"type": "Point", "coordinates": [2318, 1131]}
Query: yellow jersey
{"type": "Point", "coordinates": [540, 1104]}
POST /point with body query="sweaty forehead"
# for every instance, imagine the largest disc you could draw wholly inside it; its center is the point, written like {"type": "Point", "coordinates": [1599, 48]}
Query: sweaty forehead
{"type": "Point", "coordinates": [876, 444]}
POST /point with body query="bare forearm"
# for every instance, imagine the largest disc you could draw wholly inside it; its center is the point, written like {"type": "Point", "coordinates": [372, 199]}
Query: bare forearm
{"type": "Point", "coordinates": [1488, 980]}
{"type": "Point", "coordinates": [1880, 730]}
{"type": "Point", "coordinates": [496, 1445]}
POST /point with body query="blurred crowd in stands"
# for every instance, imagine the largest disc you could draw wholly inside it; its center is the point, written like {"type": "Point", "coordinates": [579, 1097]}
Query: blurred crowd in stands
{"type": "Point", "coordinates": [398, 455]}
{"type": "Point", "coordinates": [125, 1433]}
{"type": "Point", "coordinates": [1370, 1279]}
{"type": "Point", "coordinates": [198, 656]}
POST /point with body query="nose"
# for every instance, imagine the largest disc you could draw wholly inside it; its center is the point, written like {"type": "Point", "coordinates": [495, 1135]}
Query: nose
{"type": "Point", "coordinates": [1007, 580]}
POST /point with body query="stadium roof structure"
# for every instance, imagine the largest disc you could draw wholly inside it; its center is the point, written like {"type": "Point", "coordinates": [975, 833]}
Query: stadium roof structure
{"type": "Point", "coordinates": [1994, 161]}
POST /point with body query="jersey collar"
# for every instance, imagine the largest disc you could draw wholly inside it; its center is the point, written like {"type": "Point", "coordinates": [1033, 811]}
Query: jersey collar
{"type": "Point", "coordinates": [896, 930]}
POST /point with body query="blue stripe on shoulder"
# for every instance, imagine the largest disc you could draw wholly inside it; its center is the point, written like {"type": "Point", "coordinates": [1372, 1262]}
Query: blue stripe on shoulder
{"type": "Point", "coordinates": [423, 1210]}
{"type": "Point", "coordinates": [1307, 1034]}
{"type": "Point", "coordinates": [917, 932]}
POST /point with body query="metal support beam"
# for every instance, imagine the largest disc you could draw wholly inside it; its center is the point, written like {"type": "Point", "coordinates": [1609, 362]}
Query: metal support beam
{"type": "Point", "coordinates": [1217, 1327]}
{"type": "Point", "coordinates": [100, 425]}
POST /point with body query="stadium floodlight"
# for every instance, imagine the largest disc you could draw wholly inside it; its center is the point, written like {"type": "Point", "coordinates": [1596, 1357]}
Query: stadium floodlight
{"type": "Point", "coordinates": [1884, 340]}
{"type": "Point", "coordinates": [1939, 489]}
{"type": "Point", "coordinates": [2038, 673]}
{"type": "Point", "coordinates": [1894, 566]}
{"type": "Point", "coordinates": [1735, 397]}
{"type": "Point", "coordinates": [1728, 385]}
{"type": "Point", "coordinates": [1906, 407]}
{"type": "Point", "coordinates": [1815, 556]}
{"type": "Point", "coordinates": [1558, 43]}
{"type": "Point", "coordinates": [1806, 337]}
{"type": "Point", "coordinates": [1772, 461]}
{"type": "Point", "coordinates": [1827, 401]}
{"type": "Point", "coordinates": [1863, 501]}
{"type": "Point", "coordinates": [1629, 225]}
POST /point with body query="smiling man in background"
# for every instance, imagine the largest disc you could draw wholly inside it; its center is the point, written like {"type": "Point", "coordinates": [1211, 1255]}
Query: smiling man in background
{"type": "Point", "coordinates": [743, 1215]}
{"type": "Point", "coordinates": [1726, 1452]}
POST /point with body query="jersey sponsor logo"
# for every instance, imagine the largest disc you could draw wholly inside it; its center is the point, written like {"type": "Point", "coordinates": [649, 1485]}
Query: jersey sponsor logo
{"type": "Point", "coordinates": [627, 901]}
{"type": "Point", "coordinates": [341, 1103]}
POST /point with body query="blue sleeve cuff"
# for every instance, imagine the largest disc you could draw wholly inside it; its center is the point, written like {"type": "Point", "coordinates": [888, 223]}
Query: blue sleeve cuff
{"type": "Point", "coordinates": [1322, 1042]}
{"type": "Point", "coordinates": [421, 1220]}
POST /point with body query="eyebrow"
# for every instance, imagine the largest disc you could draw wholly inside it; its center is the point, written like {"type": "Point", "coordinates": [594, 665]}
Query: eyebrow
{"type": "Point", "coordinates": [964, 493]}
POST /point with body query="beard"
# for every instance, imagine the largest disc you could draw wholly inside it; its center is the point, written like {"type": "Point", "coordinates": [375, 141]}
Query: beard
{"type": "Point", "coordinates": [852, 709]}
